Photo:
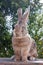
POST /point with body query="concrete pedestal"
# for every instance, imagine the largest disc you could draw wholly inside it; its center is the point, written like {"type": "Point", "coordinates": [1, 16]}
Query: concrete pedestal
{"type": "Point", "coordinates": [10, 61]}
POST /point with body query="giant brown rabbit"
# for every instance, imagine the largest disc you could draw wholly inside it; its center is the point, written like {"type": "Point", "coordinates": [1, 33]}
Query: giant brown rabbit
{"type": "Point", "coordinates": [23, 45]}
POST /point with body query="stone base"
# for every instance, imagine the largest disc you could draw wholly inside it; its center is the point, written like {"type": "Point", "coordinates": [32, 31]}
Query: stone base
{"type": "Point", "coordinates": [10, 61]}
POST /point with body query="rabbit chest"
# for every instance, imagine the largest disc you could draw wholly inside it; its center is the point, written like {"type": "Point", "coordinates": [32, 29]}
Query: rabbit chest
{"type": "Point", "coordinates": [21, 42]}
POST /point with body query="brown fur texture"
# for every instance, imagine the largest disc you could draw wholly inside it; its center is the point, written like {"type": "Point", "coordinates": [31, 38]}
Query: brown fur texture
{"type": "Point", "coordinates": [23, 45]}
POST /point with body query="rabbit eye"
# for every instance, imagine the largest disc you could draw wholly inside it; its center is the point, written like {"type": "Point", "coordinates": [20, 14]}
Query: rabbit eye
{"type": "Point", "coordinates": [13, 27]}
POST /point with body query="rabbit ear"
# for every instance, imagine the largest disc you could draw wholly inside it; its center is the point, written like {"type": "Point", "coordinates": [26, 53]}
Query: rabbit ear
{"type": "Point", "coordinates": [26, 14]}
{"type": "Point", "coordinates": [19, 12]}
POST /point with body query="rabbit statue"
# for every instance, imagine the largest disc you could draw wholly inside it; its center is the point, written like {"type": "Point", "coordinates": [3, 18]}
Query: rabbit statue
{"type": "Point", "coordinates": [23, 45]}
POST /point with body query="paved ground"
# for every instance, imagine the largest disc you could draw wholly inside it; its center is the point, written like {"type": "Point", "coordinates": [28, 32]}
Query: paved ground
{"type": "Point", "coordinates": [10, 61]}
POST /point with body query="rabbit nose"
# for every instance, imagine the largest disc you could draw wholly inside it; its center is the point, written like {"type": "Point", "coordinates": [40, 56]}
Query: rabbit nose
{"type": "Point", "coordinates": [17, 28]}
{"type": "Point", "coordinates": [20, 22]}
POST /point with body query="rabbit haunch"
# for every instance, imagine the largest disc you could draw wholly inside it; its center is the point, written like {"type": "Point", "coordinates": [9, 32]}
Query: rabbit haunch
{"type": "Point", "coordinates": [23, 45]}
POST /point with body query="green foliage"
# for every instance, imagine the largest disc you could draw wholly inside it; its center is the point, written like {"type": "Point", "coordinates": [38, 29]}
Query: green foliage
{"type": "Point", "coordinates": [36, 31]}
{"type": "Point", "coordinates": [5, 38]}
{"type": "Point", "coordinates": [35, 24]}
